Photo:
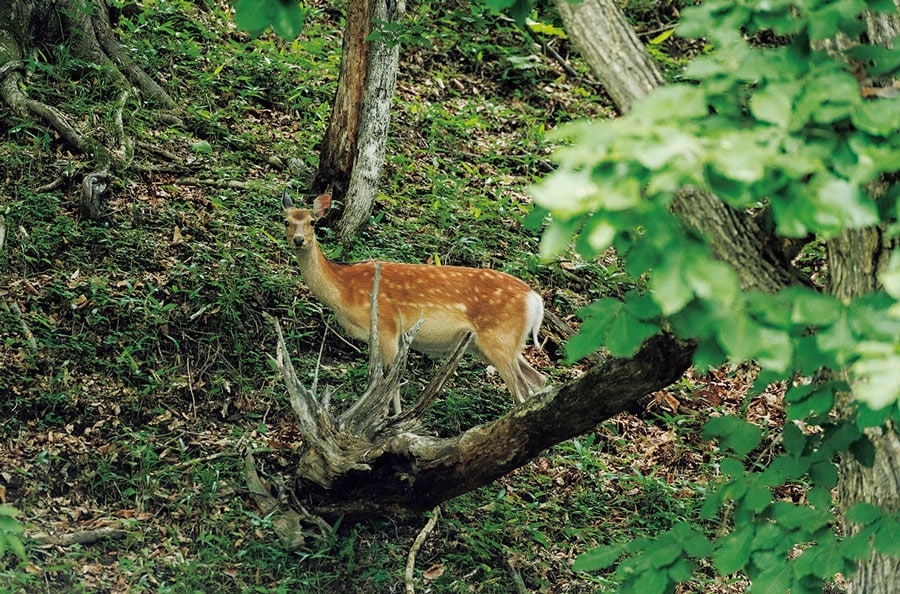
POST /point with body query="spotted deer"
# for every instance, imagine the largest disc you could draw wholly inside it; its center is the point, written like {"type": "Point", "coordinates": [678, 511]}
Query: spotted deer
{"type": "Point", "coordinates": [499, 309]}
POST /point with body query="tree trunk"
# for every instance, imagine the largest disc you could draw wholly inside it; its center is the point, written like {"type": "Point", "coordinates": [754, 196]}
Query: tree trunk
{"type": "Point", "coordinates": [353, 148]}
{"type": "Point", "coordinates": [855, 257]}
{"type": "Point", "coordinates": [338, 150]}
{"type": "Point", "coordinates": [607, 42]}
{"type": "Point", "coordinates": [381, 81]}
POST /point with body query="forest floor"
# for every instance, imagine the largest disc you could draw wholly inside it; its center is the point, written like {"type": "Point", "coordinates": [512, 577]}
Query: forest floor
{"type": "Point", "coordinates": [134, 355]}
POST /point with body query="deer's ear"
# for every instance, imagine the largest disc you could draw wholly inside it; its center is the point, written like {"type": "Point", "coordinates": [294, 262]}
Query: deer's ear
{"type": "Point", "coordinates": [286, 201]}
{"type": "Point", "coordinates": [321, 205]}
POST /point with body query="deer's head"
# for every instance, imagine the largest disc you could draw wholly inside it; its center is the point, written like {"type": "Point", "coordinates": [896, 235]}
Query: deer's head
{"type": "Point", "coordinates": [299, 223]}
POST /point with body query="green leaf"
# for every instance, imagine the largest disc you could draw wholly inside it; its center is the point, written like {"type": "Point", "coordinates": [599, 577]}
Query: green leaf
{"type": "Point", "coordinates": [664, 552]}
{"type": "Point", "coordinates": [599, 558]}
{"type": "Point", "coordinates": [627, 334]}
{"type": "Point", "coordinates": [287, 20]}
{"type": "Point", "coordinates": [17, 547]}
{"type": "Point", "coordinates": [652, 582]}
{"type": "Point", "coordinates": [734, 552]}
{"type": "Point", "coordinates": [757, 498]}
{"type": "Point", "coordinates": [742, 338]}
{"type": "Point", "coordinates": [864, 451]}
{"type": "Point", "coordinates": [838, 204]}
{"type": "Point", "coordinates": [731, 467]}
{"type": "Point", "coordinates": [824, 474]}
{"type": "Point", "coordinates": [670, 291]}
{"type": "Point", "coordinates": [823, 560]}
{"type": "Point", "coordinates": [711, 280]}
{"type": "Point", "coordinates": [769, 537]}
{"type": "Point", "coordinates": [694, 543]}
{"type": "Point", "coordinates": [736, 434]}
{"type": "Point", "coordinates": [886, 541]}
{"type": "Point", "coordinates": [876, 381]}
{"type": "Point", "coordinates": [712, 504]}
{"type": "Point", "coordinates": [557, 235]}
{"type": "Point", "coordinates": [813, 308]}
{"type": "Point", "coordinates": [863, 513]}
{"type": "Point", "coordinates": [881, 118]}
{"type": "Point", "coordinates": [793, 517]}
{"type": "Point", "coordinates": [776, 578]}
{"type": "Point", "coordinates": [773, 104]}
{"type": "Point", "coordinates": [837, 340]}
{"type": "Point", "coordinates": [857, 547]}
{"type": "Point", "coordinates": [598, 316]}
{"type": "Point", "coordinates": [793, 439]}
{"type": "Point", "coordinates": [809, 400]}
{"type": "Point", "coordinates": [253, 16]}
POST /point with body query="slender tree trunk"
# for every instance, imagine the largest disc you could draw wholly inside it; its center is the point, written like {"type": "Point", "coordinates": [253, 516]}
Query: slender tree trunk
{"type": "Point", "coordinates": [353, 148]}
{"type": "Point", "coordinates": [381, 82]}
{"type": "Point", "coordinates": [339, 144]}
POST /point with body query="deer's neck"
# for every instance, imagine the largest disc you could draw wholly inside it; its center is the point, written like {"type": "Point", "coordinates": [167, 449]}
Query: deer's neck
{"type": "Point", "coordinates": [320, 274]}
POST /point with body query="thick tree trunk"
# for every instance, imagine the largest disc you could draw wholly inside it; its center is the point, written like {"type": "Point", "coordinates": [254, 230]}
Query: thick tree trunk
{"type": "Point", "coordinates": [855, 257]}
{"type": "Point", "coordinates": [607, 42]}
{"type": "Point", "coordinates": [880, 485]}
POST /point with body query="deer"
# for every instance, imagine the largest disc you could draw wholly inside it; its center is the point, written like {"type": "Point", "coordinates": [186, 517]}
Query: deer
{"type": "Point", "coordinates": [499, 309]}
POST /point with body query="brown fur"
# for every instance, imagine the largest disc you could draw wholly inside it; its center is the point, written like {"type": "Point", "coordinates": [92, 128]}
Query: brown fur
{"type": "Point", "coordinates": [498, 308]}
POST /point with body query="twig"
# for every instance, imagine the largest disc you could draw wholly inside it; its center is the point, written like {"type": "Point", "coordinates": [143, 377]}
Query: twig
{"type": "Point", "coordinates": [191, 390]}
{"type": "Point", "coordinates": [216, 183]}
{"type": "Point", "coordinates": [83, 537]}
{"type": "Point", "coordinates": [11, 307]}
{"type": "Point", "coordinates": [437, 382]}
{"type": "Point", "coordinates": [553, 53]}
{"type": "Point", "coordinates": [417, 544]}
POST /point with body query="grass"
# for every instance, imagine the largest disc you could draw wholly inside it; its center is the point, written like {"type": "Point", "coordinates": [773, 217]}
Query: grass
{"type": "Point", "coordinates": [152, 375]}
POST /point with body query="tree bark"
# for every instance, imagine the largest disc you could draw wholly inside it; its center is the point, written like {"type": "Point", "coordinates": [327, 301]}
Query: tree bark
{"type": "Point", "coordinates": [338, 150]}
{"type": "Point", "coordinates": [607, 42]}
{"type": "Point", "coordinates": [353, 148]}
{"type": "Point", "coordinates": [381, 82]}
{"type": "Point", "coordinates": [855, 257]}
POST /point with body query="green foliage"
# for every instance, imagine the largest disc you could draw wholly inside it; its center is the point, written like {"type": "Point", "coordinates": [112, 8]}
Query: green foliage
{"type": "Point", "coordinates": [787, 127]}
{"type": "Point", "coordinates": [255, 16]}
{"type": "Point", "coordinates": [11, 533]}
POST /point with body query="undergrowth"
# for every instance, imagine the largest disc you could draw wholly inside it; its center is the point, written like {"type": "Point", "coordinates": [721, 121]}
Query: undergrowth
{"type": "Point", "coordinates": [135, 368]}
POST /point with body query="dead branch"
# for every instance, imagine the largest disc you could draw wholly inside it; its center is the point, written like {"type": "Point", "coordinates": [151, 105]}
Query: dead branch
{"type": "Point", "coordinates": [84, 537]}
{"type": "Point", "coordinates": [417, 544]}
